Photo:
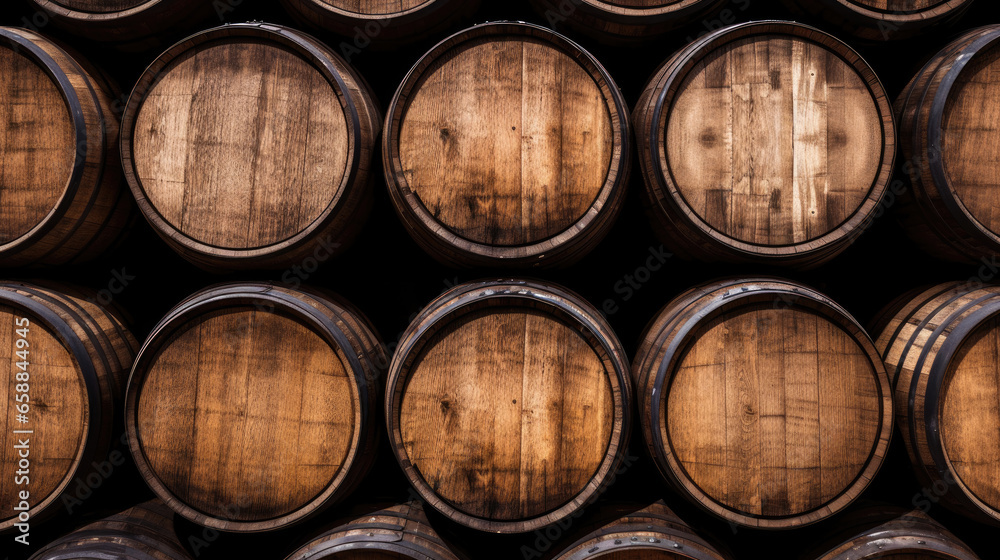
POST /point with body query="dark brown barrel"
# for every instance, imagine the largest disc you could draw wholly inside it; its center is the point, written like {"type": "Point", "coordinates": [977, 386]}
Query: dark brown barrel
{"type": "Point", "coordinates": [144, 532]}
{"type": "Point", "coordinates": [253, 406]}
{"type": "Point", "coordinates": [250, 146]}
{"type": "Point", "coordinates": [763, 401]}
{"type": "Point", "coordinates": [507, 145]}
{"type": "Point", "coordinates": [625, 21]}
{"type": "Point", "coordinates": [766, 141]}
{"type": "Point", "coordinates": [507, 404]}
{"type": "Point", "coordinates": [882, 20]}
{"type": "Point", "coordinates": [940, 351]}
{"type": "Point", "coordinates": [63, 362]}
{"type": "Point", "coordinates": [396, 532]}
{"type": "Point", "coordinates": [61, 200]}
{"type": "Point", "coordinates": [653, 532]}
{"type": "Point", "coordinates": [378, 23]}
{"type": "Point", "coordinates": [121, 21]}
{"type": "Point", "coordinates": [887, 533]}
{"type": "Point", "coordinates": [952, 148]}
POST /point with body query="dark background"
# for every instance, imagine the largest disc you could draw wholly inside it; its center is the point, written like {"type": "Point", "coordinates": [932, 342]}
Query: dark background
{"type": "Point", "coordinates": [387, 276]}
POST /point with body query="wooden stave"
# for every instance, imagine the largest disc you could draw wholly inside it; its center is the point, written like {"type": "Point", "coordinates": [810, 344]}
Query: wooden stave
{"type": "Point", "coordinates": [666, 336]}
{"type": "Point", "coordinates": [465, 298]}
{"type": "Point", "coordinates": [619, 25]}
{"type": "Point", "coordinates": [143, 532]}
{"type": "Point", "coordinates": [152, 18]}
{"type": "Point", "coordinates": [917, 391]}
{"type": "Point", "coordinates": [403, 529]}
{"type": "Point", "coordinates": [678, 226]}
{"type": "Point", "coordinates": [876, 532]}
{"type": "Point", "coordinates": [357, 344]}
{"type": "Point", "coordinates": [874, 25]}
{"type": "Point", "coordinates": [104, 348]}
{"type": "Point", "coordinates": [406, 27]}
{"type": "Point", "coordinates": [344, 217]}
{"type": "Point", "coordinates": [655, 526]}
{"type": "Point", "coordinates": [954, 234]}
{"type": "Point", "coordinates": [555, 252]}
{"type": "Point", "coordinates": [94, 193]}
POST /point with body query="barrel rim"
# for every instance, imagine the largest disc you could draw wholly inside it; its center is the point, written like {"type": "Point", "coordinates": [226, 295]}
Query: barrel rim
{"type": "Point", "coordinates": [601, 213]}
{"type": "Point", "coordinates": [728, 295]}
{"type": "Point", "coordinates": [935, 129]}
{"type": "Point", "coordinates": [474, 294]}
{"type": "Point", "coordinates": [686, 59]}
{"type": "Point", "coordinates": [85, 17]}
{"type": "Point", "coordinates": [250, 294]}
{"type": "Point", "coordinates": [617, 13]}
{"type": "Point", "coordinates": [329, 10]}
{"type": "Point", "coordinates": [27, 47]}
{"type": "Point", "coordinates": [10, 295]}
{"type": "Point", "coordinates": [306, 47]}
{"type": "Point", "coordinates": [942, 9]}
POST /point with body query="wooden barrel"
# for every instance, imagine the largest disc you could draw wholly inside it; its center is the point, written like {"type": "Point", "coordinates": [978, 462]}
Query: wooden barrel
{"type": "Point", "coordinates": [379, 22]}
{"type": "Point", "coordinates": [121, 21]}
{"type": "Point", "coordinates": [879, 532]}
{"type": "Point", "coordinates": [395, 532]}
{"type": "Point", "coordinates": [249, 146]}
{"type": "Point", "coordinates": [507, 145]}
{"type": "Point", "coordinates": [63, 362]}
{"type": "Point", "coordinates": [61, 199]}
{"type": "Point", "coordinates": [763, 401]}
{"type": "Point", "coordinates": [625, 21]}
{"type": "Point", "coordinates": [882, 20]}
{"type": "Point", "coordinates": [653, 532]}
{"type": "Point", "coordinates": [253, 406]}
{"type": "Point", "coordinates": [508, 403]}
{"type": "Point", "coordinates": [765, 141]}
{"type": "Point", "coordinates": [939, 349]}
{"type": "Point", "coordinates": [951, 149]}
{"type": "Point", "coordinates": [144, 532]}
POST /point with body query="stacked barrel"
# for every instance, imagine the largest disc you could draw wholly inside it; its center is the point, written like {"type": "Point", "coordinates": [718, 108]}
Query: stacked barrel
{"type": "Point", "coordinates": [512, 416]}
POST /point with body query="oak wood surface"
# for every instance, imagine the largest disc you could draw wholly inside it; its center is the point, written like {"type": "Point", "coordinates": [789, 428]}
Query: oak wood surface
{"type": "Point", "coordinates": [506, 404]}
{"type": "Point", "coordinates": [940, 349]}
{"type": "Point", "coordinates": [381, 24]}
{"type": "Point", "coordinates": [61, 199]}
{"type": "Point", "coordinates": [377, 7]}
{"type": "Point", "coordinates": [101, 6]}
{"type": "Point", "coordinates": [507, 145]}
{"type": "Point", "coordinates": [130, 25]}
{"type": "Point", "coordinates": [249, 146]}
{"type": "Point", "coordinates": [77, 358]}
{"type": "Point", "coordinates": [763, 401]}
{"type": "Point", "coordinates": [764, 141]}
{"type": "Point", "coordinates": [628, 22]}
{"type": "Point", "coordinates": [878, 21]}
{"type": "Point", "coordinates": [250, 406]}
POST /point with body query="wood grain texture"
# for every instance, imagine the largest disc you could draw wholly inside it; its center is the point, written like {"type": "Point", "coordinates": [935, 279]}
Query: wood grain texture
{"type": "Point", "coordinates": [948, 211]}
{"type": "Point", "coordinates": [774, 140]}
{"type": "Point", "coordinates": [78, 355]}
{"type": "Point", "coordinates": [38, 148]}
{"type": "Point", "coordinates": [250, 406]}
{"type": "Point", "coordinates": [506, 145]}
{"type": "Point", "coordinates": [940, 349]}
{"type": "Point", "coordinates": [249, 146]}
{"type": "Point", "coordinates": [627, 22]}
{"type": "Point", "coordinates": [143, 532]}
{"type": "Point", "coordinates": [395, 532]}
{"type": "Point", "coordinates": [765, 141]}
{"type": "Point", "coordinates": [61, 200]}
{"type": "Point", "coordinates": [878, 21]}
{"type": "Point", "coordinates": [763, 401]}
{"type": "Point", "coordinates": [505, 404]}
{"type": "Point", "coordinates": [241, 144]}
{"type": "Point", "coordinates": [129, 24]}
{"type": "Point", "coordinates": [383, 23]}
{"type": "Point", "coordinates": [877, 532]}
{"type": "Point", "coordinates": [634, 532]}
